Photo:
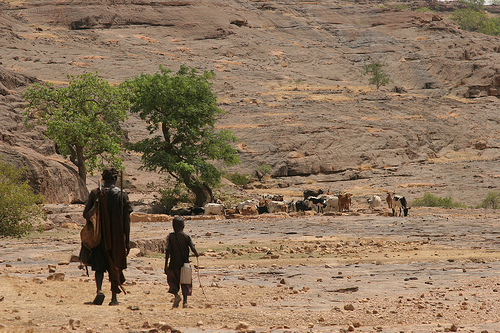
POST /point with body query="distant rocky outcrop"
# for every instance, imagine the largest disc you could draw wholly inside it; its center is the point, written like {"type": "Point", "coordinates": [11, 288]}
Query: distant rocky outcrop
{"type": "Point", "coordinates": [288, 75]}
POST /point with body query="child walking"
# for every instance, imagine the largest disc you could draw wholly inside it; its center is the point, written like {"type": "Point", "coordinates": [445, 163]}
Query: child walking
{"type": "Point", "coordinates": [178, 245]}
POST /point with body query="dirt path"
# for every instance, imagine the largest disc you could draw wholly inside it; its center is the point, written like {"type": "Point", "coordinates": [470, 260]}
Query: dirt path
{"type": "Point", "coordinates": [432, 272]}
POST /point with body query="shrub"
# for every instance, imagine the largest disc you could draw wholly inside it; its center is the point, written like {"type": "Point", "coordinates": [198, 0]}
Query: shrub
{"type": "Point", "coordinates": [265, 169]}
{"type": "Point", "coordinates": [20, 207]}
{"type": "Point", "coordinates": [430, 200]}
{"type": "Point", "coordinates": [402, 7]}
{"type": "Point", "coordinates": [169, 197]}
{"type": "Point", "coordinates": [423, 9]}
{"type": "Point", "coordinates": [238, 178]}
{"type": "Point", "coordinates": [492, 200]}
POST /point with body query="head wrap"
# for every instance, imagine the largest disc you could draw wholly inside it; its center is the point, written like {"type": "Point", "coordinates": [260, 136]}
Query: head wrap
{"type": "Point", "coordinates": [178, 224]}
{"type": "Point", "coordinates": [110, 174]}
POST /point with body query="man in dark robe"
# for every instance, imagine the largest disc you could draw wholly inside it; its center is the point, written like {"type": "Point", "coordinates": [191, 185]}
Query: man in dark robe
{"type": "Point", "coordinates": [111, 254]}
{"type": "Point", "coordinates": [177, 250]}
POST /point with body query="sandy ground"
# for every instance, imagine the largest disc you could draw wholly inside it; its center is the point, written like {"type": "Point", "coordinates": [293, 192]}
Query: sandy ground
{"type": "Point", "coordinates": [435, 271]}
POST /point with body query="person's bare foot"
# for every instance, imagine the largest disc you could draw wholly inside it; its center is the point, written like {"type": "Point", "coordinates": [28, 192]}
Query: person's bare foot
{"type": "Point", "coordinates": [177, 301]}
{"type": "Point", "coordinates": [99, 298]}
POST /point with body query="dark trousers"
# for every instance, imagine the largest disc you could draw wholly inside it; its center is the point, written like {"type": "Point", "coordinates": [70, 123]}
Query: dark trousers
{"type": "Point", "coordinates": [174, 283]}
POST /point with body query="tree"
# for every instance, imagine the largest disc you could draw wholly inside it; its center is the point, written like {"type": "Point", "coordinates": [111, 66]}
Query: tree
{"type": "Point", "coordinates": [180, 110]}
{"type": "Point", "coordinates": [83, 119]}
{"type": "Point", "coordinates": [377, 76]}
{"type": "Point", "coordinates": [474, 18]}
{"type": "Point", "coordinates": [474, 4]}
{"type": "Point", "coordinates": [492, 200]}
{"type": "Point", "coordinates": [19, 205]}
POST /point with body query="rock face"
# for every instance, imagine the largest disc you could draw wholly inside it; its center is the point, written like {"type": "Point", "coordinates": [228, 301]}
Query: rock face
{"type": "Point", "coordinates": [288, 74]}
{"type": "Point", "coordinates": [47, 173]}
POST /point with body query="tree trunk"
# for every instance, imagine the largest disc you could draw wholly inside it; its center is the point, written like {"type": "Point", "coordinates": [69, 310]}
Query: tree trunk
{"type": "Point", "coordinates": [201, 190]}
{"type": "Point", "coordinates": [80, 164]}
{"type": "Point", "coordinates": [203, 194]}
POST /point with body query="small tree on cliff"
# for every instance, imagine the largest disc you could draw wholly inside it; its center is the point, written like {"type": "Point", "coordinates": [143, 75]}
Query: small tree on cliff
{"type": "Point", "coordinates": [181, 111]}
{"type": "Point", "coordinates": [377, 75]}
{"type": "Point", "coordinates": [82, 118]}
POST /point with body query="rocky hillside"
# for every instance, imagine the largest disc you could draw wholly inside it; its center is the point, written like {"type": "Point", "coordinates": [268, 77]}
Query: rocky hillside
{"type": "Point", "coordinates": [288, 73]}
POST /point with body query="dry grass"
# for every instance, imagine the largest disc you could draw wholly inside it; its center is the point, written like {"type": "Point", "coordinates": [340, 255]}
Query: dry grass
{"type": "Point", "coordinates": [80, 64]}
{"type": "Point", "coordinates": [365, 190]}
{"type": "Point", "coordinates": [242, 126]}
{"type": "Point", "coordinates": [454, 156]}
{"type": "Point", "coordinates": [147, 39]}
{"type": "Point", "coordinates": [410, 185]}
{"type": "Point", "coordinates": [235, 63]}
{"type": "Point", "coordinates": [35, 36]}
{"type": "Point", "coordinates": [93, 57]}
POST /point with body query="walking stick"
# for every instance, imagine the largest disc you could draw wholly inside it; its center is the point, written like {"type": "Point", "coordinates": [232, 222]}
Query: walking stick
{"type": "Point", "coordinates": [199, 278]}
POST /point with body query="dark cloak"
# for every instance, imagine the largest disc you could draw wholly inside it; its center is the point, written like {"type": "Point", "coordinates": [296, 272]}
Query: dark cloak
{"type": "Point", "coordinates": [115, 233]}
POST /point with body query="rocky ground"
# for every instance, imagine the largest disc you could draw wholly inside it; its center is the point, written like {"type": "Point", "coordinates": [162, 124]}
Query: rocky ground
{"type": "Point", "coordinates": [364, 271]}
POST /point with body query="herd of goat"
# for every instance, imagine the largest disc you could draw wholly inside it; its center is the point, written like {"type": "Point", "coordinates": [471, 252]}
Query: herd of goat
{"type": "Point", "coordinates": [314, 200]}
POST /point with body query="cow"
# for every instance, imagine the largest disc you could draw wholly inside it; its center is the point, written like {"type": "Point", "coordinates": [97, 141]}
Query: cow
{"type": "Point", "coordinates": [266, 196]}
{"type": "Point", "coordinates": [262, 209]}
{"type": "Point", "coordinates": [197, 210]}
{"type": "Point", "coordinates": [214, 209]}
{"type": "Point", "coordinates": [374, 201]}
{"type": "Point", "coordinates": [277, 207]}
{"type": "Point", "coordinates": [389, 200]}
{"type": "Point", "coordinates": [263, 202]}
{"type": "Point", "coordinates": [291, 206]}
{"type": "Point", "coordinates": [249, 202]}
{"type": "Point", "coordinates": [180, 211]}
{"type": "Point", "coordinates": [302, 205]}
{"type": "Point", "coordinates": [332, 203]}
{"type": "Point", "coordinates": [230, 211]}
{"type": "Point", "coordinates": [277, 197]}
{"type": "Point", "coordinates": [249, 210]}
{"type": "Point", "coordinates": [318, 204]}
{"type": "Point", "coordinates": [399, 202]}
{"type": "Point", "coordinates": [312, 193]}
{"type": "Point", "coordinates": [344, 201]}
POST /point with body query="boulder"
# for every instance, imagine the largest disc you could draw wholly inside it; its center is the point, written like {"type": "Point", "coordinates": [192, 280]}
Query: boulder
{"type": "Point", "coordinates": [50, 176]}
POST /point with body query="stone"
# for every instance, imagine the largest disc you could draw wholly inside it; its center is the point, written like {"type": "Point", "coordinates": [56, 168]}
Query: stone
{"type": "Point", "coordinates": [242, 326]}
{"type": "Point", "coordinates": [74, 324]}
{"type": "Point", "coordinates": [135, 252]}
{"type": "Point", "coordinates": [56, 277]}
{"type": "Point", "coordinates": [70, 225]}
{"type": "Point", "coordinates": [162, 326]}
{"type": "Point", "coordinates": [349, 307]}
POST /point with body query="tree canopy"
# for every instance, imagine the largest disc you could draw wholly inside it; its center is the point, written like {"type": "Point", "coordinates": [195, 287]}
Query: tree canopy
{"type": "Point", "coordinates": [83, 119]}
{"type": "Point", "coordinates": [181, 112]}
